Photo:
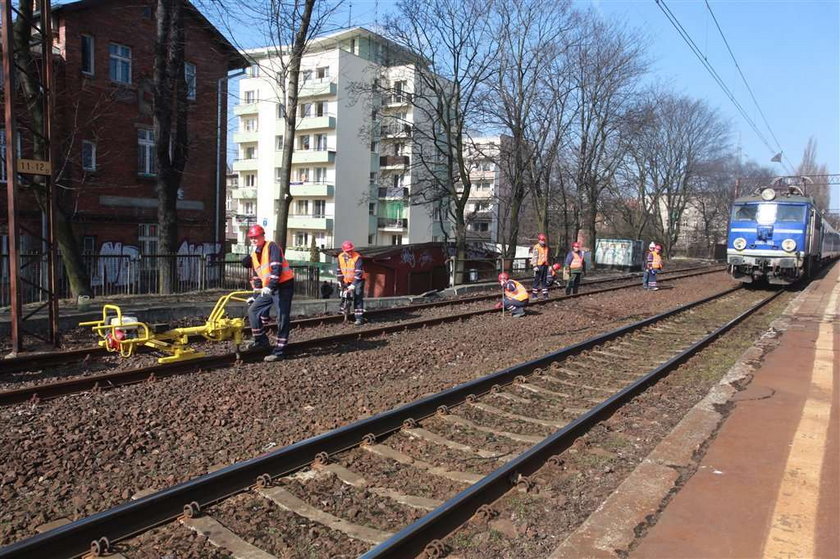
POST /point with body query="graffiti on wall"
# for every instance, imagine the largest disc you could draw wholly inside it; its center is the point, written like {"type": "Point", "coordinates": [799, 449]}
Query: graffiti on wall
{"type": "Point", "coordinates": [120, 264]}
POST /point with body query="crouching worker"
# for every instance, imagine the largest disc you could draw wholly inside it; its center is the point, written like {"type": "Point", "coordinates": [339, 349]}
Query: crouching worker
{"type": "Point", "coordinates": [555, 274]}
{"type": "Point", "coordinates": [515, 297]}
{"type": "Point", "coordinates": [351, 279]}
{"type": "Point", "coordinates": [277, 284]}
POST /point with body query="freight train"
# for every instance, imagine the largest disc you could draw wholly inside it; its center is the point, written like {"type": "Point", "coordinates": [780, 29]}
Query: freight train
{"type": "Point", "coordinates": [777, 235]}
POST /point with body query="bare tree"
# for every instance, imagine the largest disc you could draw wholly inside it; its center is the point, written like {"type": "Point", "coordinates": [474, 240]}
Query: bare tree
{"type": "Point", "coordinates": [819, 189]}
{"type": "Point", "coordinates": [170, 128]}
{"type": "Point", "coordinates": [32, 92]}
{"type": "Point", "coordinates": [288, 27]}
{"type": "Point", "coordinates": [529, 33]}
{"type": "Point", "coordinates": [607, 65]}
{"type": "Point", "coordinates": [455, 38]}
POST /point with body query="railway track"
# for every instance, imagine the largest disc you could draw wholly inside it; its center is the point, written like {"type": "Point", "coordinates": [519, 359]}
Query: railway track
{"type": "Point", "coordinates": [457, 451]}
{"type": "Point", "coordinates": [36, 361]}
{"type": "Point", "coordinates": [153, 373]}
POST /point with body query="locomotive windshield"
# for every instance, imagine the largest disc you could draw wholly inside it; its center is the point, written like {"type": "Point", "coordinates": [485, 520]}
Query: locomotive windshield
{"type": "Point", "coordinates": [768, 214]}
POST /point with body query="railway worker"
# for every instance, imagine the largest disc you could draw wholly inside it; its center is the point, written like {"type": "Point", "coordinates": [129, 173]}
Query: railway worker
{"type": "Point", "coordinates": [351, 278]}
{"type": "Point", "coordinates": [539, 260]}
{"type": "Point", "coordinates": [646, 265]}
{"type": "Point", "coordinates": [654, 266]}
{"type": "Point", "coordinates": [554, 274]}
{"type": "Point", "coordinates": [277, 284]}
{"type": "Point", "coordinates": [576, 266]}
{"type": "Point", "coordinates": [515, 297]}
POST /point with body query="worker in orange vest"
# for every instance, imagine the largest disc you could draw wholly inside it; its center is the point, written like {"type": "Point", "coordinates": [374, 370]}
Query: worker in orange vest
{"type": "Point", "coordinates": [351, 279]}
{"type": "Point", "coordinates": [276, 288]}
{"type": "Point", "coordinates": [515, 297]}
{"type": "Point", "coordinates": [555, 275]}
{"type": "Point", "coordinates": [539, 260]}
{"type": "Point", "coordinates": [654, 266]}
{"type": "Point", "coordinates": [576, 266]}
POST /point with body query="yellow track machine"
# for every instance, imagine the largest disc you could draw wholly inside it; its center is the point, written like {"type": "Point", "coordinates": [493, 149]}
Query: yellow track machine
{"type": "Point", "coordinates": [124, 334]}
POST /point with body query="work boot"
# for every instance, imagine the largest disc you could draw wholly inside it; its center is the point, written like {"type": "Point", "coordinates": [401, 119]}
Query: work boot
{"type": "Point", "coordinates": [271, 357]}
{"type": "Point", "coordinates": [359, 321]}
{"type": "Point", "coordinates": [518, 313]}
{"type": "Point", "coordinates": [256, 343]}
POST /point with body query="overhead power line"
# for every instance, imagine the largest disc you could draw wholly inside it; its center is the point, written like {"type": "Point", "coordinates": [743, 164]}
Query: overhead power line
{"type": "Point", "coordinates": [712, 72]}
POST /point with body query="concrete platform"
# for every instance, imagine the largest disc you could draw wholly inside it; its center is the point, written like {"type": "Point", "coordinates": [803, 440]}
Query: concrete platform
{"type": "Point", "coordinates": [768, 483]}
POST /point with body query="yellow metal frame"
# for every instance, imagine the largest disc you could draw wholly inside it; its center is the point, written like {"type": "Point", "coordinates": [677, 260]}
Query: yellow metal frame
{"type": "Point", "coordinates": [175, 342]}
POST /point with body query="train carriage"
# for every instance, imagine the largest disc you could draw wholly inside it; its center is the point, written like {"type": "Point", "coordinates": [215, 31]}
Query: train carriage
{"type": "Point", "coordinates": [778, 236]}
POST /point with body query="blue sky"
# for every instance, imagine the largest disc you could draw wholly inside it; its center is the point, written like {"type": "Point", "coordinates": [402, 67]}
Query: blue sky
{"type": "Point", "coordinates": [789, 52]}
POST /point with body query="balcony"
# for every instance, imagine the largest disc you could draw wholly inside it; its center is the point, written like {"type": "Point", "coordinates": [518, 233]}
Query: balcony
{"type": "Point", "coordinates": [310, 221]}
{"type": "Point", "coordinates": [392, 224]}
{"type": "Point", "coordinates": [314, 156]}
{"type": "Point", "coordinates": [395, 131]}
{"type": "Point", "coordinates": [393, 161]}
{"type": "Point", "coordinates": [397, 99]}
{"type": "Point", "coordinates": [246, 109]}
{"type": "Point", "coordinates": [246, 136]}
{"type": "Point", "coordinates": [316, 122]}
{"type": "Point", "coordinates": [245, 164]}
{"type": "Point", "coordinates": [307, 189]}
{"type": "Point", "coordinates": [244, 193]}
{"type": "Point", "coordinates": [398, 193]}
{"type": "Point", "coordinates": [317, 87]}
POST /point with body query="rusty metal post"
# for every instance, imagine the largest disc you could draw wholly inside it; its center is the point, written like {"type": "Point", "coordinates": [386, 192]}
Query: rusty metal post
{"type": "Point", "coordinates": [11, 175]}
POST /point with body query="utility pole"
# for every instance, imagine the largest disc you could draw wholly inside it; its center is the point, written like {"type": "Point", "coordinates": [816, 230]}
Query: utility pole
{"type": "Point", "coordinates": [29, 174]}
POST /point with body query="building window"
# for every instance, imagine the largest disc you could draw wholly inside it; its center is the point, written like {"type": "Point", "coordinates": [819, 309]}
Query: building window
{"type": "Point", "coordinates": [89, 244]}
{"type": "Point", "coordinates": [248, 208]}
{"type": "Point", "coordinates": [320, 175]}
{"type": "Point", "coordinates": [305, 110]}
{"type": "Point", "coordinates": [278, 143]}
{"type": "Point", "coordinates": [87, 55]}
{"type": "Point", "coordinates": [250, 153]}
{"type": "Point", "coordinates": [254, 71]}
{"type": "Point", "coordinates": [371, 208]}
{"type": "Point", "coordinates": [146, 152]}
{"type": "Point", "coordinates": [189, 77]}
{"type": "Point", "coordinates": [320, 108]}
{"type": "Point", "coordinates": [251, 180]}
{"type": "Point", "coordinates": [278, 174]}
{"type": "Point", "coordinates": [302, 207]}
{"type": "Point", "coordinates": [119, 63]}
{"type": "Point", "coordinates": [305, 76]}
{"type": "Point", "coordinates": [353, 46]}
{"type": "Point", "coordinates": [303, 143]}
{"type": "Point", "coordinates": [249, 125]}
{"type": "Point", "coordinates": [88, 155]}
{"type": "Point", "coordinates": [300, 239]}
{"type": "Point", "coordinates": [303, 175]}
{"type": "Point", "coordinates": [281, 110]}
{"type": "Point", "coordinates": [396, 239]}
{"type": "Point", "coordinates": [322, 72]}
{"type": "Point", "coordinates": [251, 97]}
{"type": "Point", "coordinates": [147, 238]}
{"type": "Point", "coordinates": [319, 208]}
{"type": "Point", "coordinates": [320, 142]}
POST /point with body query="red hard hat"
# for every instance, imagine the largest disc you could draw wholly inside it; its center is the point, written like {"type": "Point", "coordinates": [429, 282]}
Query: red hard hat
{"type": "Point", "coordinates": [541, 237]}
{"type": "Point", "coordinates": [347, 246]}
{"type": "Point", "coordinates": [576, 245]}
{"type": "Point", "coordinates": [556, 266]}
{"type": "Point", "coordinates": [504, 276]}
{"type": "Point", "coordinates": [256, 231]}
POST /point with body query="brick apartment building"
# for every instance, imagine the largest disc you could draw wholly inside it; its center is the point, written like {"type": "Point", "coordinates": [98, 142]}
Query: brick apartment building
{"type": "Point", "coordinates": [104, 131]}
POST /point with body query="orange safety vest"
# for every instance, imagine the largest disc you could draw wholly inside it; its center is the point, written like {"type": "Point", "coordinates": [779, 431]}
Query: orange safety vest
{"type": "Point", "coordinates": [540, 253]}
{"type": "Point", "coordinates": [520, 293]}
{"type": "Point", "coordinates": [577, 261]}
{"type": "Point", "coordinates": [347, 266]}
{"type": "Point", "coordinates": [657, 261]}
{"type": "Point", "coordinates": [262, 265]}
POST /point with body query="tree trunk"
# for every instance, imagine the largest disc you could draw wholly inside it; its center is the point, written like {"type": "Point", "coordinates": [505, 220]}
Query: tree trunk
{"type": "Point", "coordinates": [280, 225]}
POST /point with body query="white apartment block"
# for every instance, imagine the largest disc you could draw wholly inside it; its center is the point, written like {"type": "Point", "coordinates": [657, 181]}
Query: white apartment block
{"type": "Point", "coordinates": [483, 210]}
{"type": "Point", "coordinates": [351, 166]}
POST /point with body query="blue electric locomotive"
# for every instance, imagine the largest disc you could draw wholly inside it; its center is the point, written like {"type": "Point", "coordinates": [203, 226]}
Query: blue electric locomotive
{"type": "Point", "coordinates": [778, 235]}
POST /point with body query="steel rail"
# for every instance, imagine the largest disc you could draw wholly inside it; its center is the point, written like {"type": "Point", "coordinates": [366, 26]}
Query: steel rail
{"type": "Point", "coordinates": [128, 519]}
{"type": "Point", "coordinates": [414, 538]}
{"type": "Point", "coordinates": [35, 360]}
{"type": "Point", "coordinates": [106, 381]}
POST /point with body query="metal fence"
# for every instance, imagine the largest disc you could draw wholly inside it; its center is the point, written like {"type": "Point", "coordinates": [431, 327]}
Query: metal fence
{"type": "Point", "coordinates": [482, 270]}
{"type": "Point", "coordinates": [135, 274]}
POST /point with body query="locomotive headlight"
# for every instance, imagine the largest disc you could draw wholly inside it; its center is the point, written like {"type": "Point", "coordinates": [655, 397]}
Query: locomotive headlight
{"type": "Point", "coordinates": [768, 194]}
{"type": "Point", "coordinates": [788, 245]}
{"type": "Point", "coordinates": [740, 243]}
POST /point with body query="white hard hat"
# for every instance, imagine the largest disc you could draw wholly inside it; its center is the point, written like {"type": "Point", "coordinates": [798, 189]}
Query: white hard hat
{"type": "Point", "coordinates": [652, 245]}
